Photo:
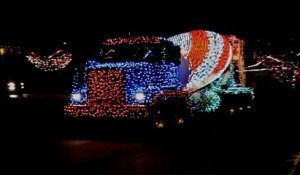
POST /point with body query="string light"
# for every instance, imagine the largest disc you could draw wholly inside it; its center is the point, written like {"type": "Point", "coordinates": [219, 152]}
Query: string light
{"type": "Point", "coordinates": [228, 79]}
{"type": "Point", "coordinates": [58, 60]}
{"type": "Point", "coordinates": [149, 78]}
{"type": "Point", "coordinates": [238, 57]}
{"type": "Point", "coordinates": [184, 41]}
{"type": "Point", "coordinates": [133, 40]}
{"type": "Point", "coordinates": [127, 88]}
{"type": "Point", "coordinates": [206, 100]}
{"type": "Point", "coordinates": [208, 53]}
{"type": "Point", "coordinates": [113, 87]}
{"type": "Point", "coordinates": [79, 88]}
{"type": "Point", "coordinates": [283, 70]}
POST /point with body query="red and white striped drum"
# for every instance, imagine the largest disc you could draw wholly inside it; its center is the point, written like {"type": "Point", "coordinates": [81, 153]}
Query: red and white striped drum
{"type": "Point", "coordinates": [205, 56]}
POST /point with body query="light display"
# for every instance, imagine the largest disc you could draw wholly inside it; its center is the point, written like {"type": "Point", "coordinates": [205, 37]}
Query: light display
{"type": "Point", "coordinates": [284, 71]}
{"type": "Point", "coordinates": [133, 40]}
{"type": "Point", "coordinates": [228, 78]}
{"type": "Point", "coordinates": [224, 57]}
{"type": "Point", "coordinates": [200, 44]}
{"type": "Point", "coordinates": [58, 60]}
{"type": "Point", "coordinates": [126, 88]}
{"type": "Point", "coordinates": [122, 88]}
{"type": "Point", "coordinates": [149, 78]}
{"type": "Point", "coordinates": [208, 99]}
{"type": "Point", "coordinates": [209, 54]}
{"type": "Point", "coordinates": [232, 87]}
{"type": "Point", "coordinates": [184, 41]}
{"type": "Point", "coordinates": [238, 57]}
{"type": "Point", "coordinates": [205, 100]}
{"type": "Point", "coordinates": [79, 88]}
{"type": "Point", "coordinates": [107, 110]}
{"type": "Point", "coordinates": [164, 95]}
{"type": "Point", "coordinates": [222, 67]}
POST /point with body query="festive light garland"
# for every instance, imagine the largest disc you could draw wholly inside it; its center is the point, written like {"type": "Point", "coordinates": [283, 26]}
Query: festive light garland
{"type": "Point", "coordinates": [58, 60]}
{"type": "Point", "coordinates": [127, 88]}
{"type": "Point", "coordinates": [133, 40]}
{"type": "Point", "coordinates": [149, 78]}
{"type": "Point", "coordinates": [206, 100]}
{"type": "Point", "coordinates": [112, 88]}
{"type": "Point", "coordinates": [284, 71]}
{"type": "Point", "coordinates": [107, 110]}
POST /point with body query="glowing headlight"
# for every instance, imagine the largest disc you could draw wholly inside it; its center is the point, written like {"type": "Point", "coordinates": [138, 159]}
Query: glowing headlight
{"type": "Point", "coordinates": [22, 85]}
{"type": "Point", "coordinates": [140, 96]}
{"type": "Point", "coordinates": [11, 86]}
{"type": "Point", "coordinates": [13, 96]}
{"type": "Point", "coordinates": [76, 97]}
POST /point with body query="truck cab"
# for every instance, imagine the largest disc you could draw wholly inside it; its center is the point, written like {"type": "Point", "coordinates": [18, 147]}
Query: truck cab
{"type": "Point", "coordinates": [134, 77]}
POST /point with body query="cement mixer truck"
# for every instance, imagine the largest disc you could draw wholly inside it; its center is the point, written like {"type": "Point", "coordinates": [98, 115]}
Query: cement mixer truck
{"type": "Point", "coordinates": [162, 79]}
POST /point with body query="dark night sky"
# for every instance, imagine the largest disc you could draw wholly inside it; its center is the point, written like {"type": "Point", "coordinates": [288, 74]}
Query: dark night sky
{"type": "Point", "coordinates": [45, 27]}
{"type": "Point", "coordinates": [84, 25]}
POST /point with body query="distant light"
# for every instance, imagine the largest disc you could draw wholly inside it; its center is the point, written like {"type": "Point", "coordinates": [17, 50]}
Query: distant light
{"type": "Point", "coordinates": [2, 51]}
{"type": "Point", "coordinates": [159, 124]}
{"type": "Point", "coordinates": [231, 110]}
{"type": "Point", "coordinates": [65, 43]}
{"type": "Point", "coordinates": [26, 95]}
{"type": "Point", "coordinates": [140, 96]}
{"type": "Point", "coordinates": [22, 85]}
{"type": "Point", "coordinates": [13, 96]}
{"type": "Point", "coordinates": [249, 107]}
{"type": "Point", "coordinates": [240, 108]}
{"type": "Point", "coordinates": [11, 86]}
{"type": "Point", "coordinates": [76, 97]}
{"type": "Point", "coordinates": [180, 121]}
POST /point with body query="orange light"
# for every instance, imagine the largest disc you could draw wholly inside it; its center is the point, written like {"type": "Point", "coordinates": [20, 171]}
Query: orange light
{"type": "Point", "coordinates": [2, 51]}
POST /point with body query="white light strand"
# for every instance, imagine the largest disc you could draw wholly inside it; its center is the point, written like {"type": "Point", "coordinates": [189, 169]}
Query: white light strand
{"type": "Point", "coordinates": [216, 45]}
{"type": "Point", "coordinates": [184, 41]}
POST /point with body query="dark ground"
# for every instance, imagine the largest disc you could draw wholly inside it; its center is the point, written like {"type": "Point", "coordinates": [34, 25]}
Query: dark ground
{"type": "Point", "coordinates": [37, 139]}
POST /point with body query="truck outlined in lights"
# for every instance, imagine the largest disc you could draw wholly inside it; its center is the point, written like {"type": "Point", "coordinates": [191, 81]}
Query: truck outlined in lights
{"type": "Point", "coordinates": [160, 78]}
